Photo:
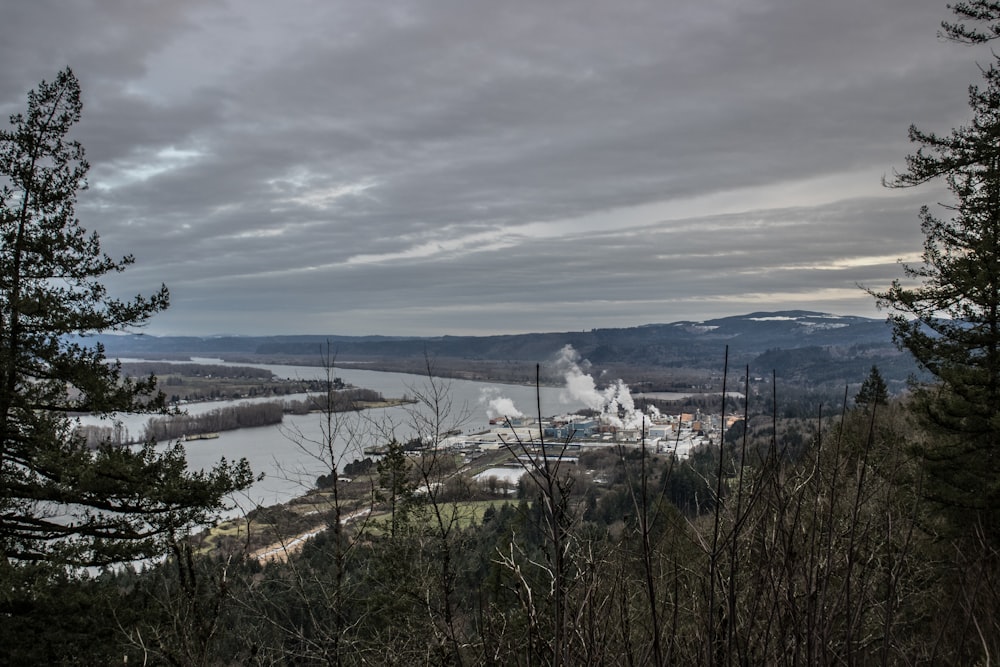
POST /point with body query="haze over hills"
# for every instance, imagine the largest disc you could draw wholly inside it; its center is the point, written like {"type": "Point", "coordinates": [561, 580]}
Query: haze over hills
{"type": "Point", "coordinates": [799, 346]}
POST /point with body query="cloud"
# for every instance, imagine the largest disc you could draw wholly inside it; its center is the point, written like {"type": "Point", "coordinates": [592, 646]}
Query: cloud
{"type": "Point", "coordinates": [453, 167]}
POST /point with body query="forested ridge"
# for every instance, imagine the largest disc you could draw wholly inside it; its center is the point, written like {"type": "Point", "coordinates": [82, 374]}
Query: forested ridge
{"type": "Point", "coordinates": [805, 347]}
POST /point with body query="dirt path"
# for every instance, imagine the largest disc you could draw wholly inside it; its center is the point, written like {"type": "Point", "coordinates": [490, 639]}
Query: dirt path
{"type": "Point", "coordinates": [279, 551]}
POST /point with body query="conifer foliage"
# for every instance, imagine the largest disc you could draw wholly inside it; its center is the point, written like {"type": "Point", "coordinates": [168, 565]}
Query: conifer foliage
{"type": "Point", "coordinates": [947, 311]}
{"type": "Point", "coordinates": [873, 390]}
{"type": "Point", "coordinates": [61, 501]}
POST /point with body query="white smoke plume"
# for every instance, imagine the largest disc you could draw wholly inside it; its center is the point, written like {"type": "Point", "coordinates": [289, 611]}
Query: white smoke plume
{"type": "Point", "coordinates": [615, 402]}
{"type": "Point", "coordinates": [498, 406]}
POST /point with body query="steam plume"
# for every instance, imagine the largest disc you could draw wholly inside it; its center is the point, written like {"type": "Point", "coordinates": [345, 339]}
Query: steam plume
{"type": "Point", "coordinates": [497, 405]}
{"type": "Point", "coordinates": [614, 403]}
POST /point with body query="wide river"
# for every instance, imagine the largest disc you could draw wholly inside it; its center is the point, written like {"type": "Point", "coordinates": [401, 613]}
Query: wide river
{"type": "Point", "coordinates": [288, 455]}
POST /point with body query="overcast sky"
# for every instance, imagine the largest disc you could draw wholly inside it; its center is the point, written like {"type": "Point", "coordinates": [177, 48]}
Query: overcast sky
{"type": "Point", "coordinates": [449, 167]}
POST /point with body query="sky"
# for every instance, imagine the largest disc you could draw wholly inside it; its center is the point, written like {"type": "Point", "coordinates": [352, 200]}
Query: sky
{"type": "Point", "coordinates": [430, 167]}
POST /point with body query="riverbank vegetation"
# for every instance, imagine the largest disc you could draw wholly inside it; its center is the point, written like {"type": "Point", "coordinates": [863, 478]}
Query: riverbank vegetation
{"type": "Point", "coordinates": [190, 383]}
{"type": "Point", "coordinates": [182, 426]}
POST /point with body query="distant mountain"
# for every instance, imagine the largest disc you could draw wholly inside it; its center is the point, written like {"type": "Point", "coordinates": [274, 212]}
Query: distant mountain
{"type": "Point", "coordinates": [799, 345]}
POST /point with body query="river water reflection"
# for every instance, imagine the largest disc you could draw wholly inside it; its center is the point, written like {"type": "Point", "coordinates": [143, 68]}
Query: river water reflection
{"type": "Point", "coordinates": [285, 454]}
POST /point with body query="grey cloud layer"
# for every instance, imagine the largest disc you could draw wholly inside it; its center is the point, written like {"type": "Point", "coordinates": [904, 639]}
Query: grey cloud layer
{"type": "Point", "coordinates": [446, 166]}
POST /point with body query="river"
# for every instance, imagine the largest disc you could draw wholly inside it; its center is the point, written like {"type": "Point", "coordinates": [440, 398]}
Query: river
{"type": "Point", "coordinates": [288, 454]}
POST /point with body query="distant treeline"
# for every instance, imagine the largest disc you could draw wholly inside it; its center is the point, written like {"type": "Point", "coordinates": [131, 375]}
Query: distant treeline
{"type": "Point", "coordinates": [340, 401]}
{"type": "Point", "coordinates": [185, 383]}
{"type": "Point", "coordinates": [244, 415]}
{"type": "Point", "coordinates": [229, 418]}
{"type": "Point", "coordinates": [144, 368]}
{"type": "Point", "coordinates": [98, 435]}
{"type": "Point", "coordinates": [249, 415]}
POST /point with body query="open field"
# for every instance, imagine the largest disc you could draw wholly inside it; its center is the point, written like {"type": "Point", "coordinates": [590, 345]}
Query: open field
{"type": "Point", "coordinates": [265, 530]}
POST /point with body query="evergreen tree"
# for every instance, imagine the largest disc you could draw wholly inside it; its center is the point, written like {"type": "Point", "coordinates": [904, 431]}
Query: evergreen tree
{"type": "Point", "coordinates": [873, 390]}
{"type": "Point", "coordinates": [61, 501]}
{"type": "Point", "coordinates": [395, 485]}
{"type": "Point", "coordinates": [947, 314]}
{"type": "Point", "coordinates": [978, 22]}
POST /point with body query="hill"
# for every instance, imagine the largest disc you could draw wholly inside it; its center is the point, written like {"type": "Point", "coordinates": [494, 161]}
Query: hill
{"type": "Point", "coordinates": [804, 347]}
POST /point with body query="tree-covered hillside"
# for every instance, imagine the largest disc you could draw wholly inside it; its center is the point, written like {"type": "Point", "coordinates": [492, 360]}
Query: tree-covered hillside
{"type": "Point", "coordinates": [826, 349]}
